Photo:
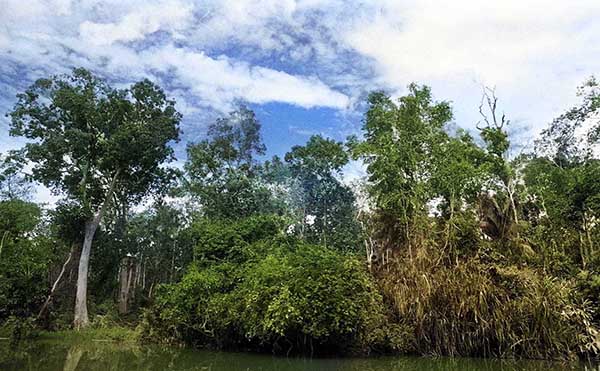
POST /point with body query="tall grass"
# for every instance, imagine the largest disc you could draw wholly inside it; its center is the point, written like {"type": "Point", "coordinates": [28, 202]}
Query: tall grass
{"type": "Point", "coordinates": [473, 308]}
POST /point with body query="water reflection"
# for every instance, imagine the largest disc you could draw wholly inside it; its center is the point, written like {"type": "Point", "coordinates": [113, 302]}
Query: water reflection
{"type": "Point", "coordinates": [73, 357]}
{"type": "Point", "coordinates": [104, 356]}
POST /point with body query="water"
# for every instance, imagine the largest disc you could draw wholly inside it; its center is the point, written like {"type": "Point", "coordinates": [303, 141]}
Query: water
{"type": "Point", "coordinates": [69, 356]}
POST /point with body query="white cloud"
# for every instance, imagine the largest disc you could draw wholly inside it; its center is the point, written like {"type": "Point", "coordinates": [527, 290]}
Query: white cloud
{"type": "Point", "coordinates": [210, 53]}
{"type": "Point", "coordinates": [98, 35]}
{"type": "Point", "coordinates": [535, 52]}
{"type": "Point", "coordinates": [168, 16]}
{"type": "Point", "coordinates": [320, 52]}
{"type": "Point", "coordinates": [218, 82]}
{"type": "Point", "coordinates": [498, 41]}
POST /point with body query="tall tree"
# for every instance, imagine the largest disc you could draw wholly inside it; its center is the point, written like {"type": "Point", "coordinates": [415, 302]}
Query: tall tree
{"type": "Point", "coordinates": [316, 166]}
{"type": "Point", "coordinates": [499, 211]}
{"type": "Point", "coordinates": [398, 145]}
{"type": "Point", "coordinates": [221, 170]}
{"type": "Point", "coordinates": [565, 174]}
{"type": "Point", "coordinates": [90, 141]}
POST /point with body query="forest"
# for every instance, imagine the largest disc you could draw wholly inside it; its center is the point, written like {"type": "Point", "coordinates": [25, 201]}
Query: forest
{"type": "Point", "coordinates": [456, 243]}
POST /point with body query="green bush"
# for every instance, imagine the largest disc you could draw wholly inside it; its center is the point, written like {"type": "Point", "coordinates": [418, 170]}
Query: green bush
{"type": "Point", "coordinates": [223, 240]}
{"type": "Point", "coordinates": [19, 329]}
{"type": "Point", "coordinates": [279, 295]}
{"type": "Point", "coordinates": [24, 260]}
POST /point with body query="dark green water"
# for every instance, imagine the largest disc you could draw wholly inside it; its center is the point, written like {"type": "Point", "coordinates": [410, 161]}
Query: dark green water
{"type": "Point", "coordinates": [103, 356]}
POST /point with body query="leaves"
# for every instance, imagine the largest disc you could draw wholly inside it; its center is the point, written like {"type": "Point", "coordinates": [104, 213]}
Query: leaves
{"type": "Point", "coordinates": [83, 132]}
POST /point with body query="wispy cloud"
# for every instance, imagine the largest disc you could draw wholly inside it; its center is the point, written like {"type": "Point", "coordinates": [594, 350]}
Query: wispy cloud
{"type": "Point", "coordinates": [151, 40]}
{"type": "Point", "coordinates": [209, 54]}
{"type": "Point", "coordinates": [314, 53]}
{"type": "Point", "coordinates": [169, 16]}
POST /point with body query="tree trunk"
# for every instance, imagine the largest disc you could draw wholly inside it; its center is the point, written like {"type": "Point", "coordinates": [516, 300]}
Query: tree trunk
{"type": "Point", "coordinates": [123, 294]}
{"type": "Point", "coordinates": [582, 251]}
{"type": "Point", "coordinates": [56, 282]}
{"type": "Point", "coordinates": [81, 319]}
{"type": "Point", "coordinates": [587, 228]}
{"type": "Point", "coordinates": [2, 241]}
{"type": "Point", "coordinates": [127, 276]}
{"type": "Point", "coordinates": [81, 313]}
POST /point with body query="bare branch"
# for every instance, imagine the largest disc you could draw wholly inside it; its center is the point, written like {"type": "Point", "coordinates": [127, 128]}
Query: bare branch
{"type": "Point", "coordinates": [491, 118]}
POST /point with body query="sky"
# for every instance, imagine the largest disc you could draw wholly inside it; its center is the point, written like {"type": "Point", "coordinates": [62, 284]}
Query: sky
{"type": "Point", "coordinates": [306, 66]}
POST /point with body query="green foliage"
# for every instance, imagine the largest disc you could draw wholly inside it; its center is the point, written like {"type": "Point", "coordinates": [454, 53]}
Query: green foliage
{"type": "Point", "coordinates": [397, 148]}
{"type": "Point", "coordinates": [323, 197]}
{"type": "Point", "coordinates": [18, 218]}
{"type": "Point", "coordinates": [14, 184]}
{"type": "Point", "coordinates": [90, 142]}
{"type": "Point", "coordinates": [24, 259]}
{"type": "Point", "coordinates": [158, 238]}
{"type": "Point", "coordinates": [320, 156]}
{"type": "Point", "coordinates": [221, 171]}
{"type": "Point", "coordinates": [274, 293]}
{"type": "Point", "coordinates": [470, 252]}
{"type": "Point", "coordinates": [218, 241]}
{"type": "Point", "coordinates": [19, 329]}
{"type": "Point", "coordinates": [84, 133]}
{"type": "Point", "coordinates": [563, 178]}
{"type": "Point", "coordinates": [113, 334]}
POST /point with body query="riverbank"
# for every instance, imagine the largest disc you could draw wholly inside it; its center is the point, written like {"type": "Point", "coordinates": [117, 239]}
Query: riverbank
{"type": "Point", "coordinates": [24, 332]}
{"type": "Point", "coordinates": [115, 334]}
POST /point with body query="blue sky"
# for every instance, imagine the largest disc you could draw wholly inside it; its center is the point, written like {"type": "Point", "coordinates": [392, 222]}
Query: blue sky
{"type": "Point", "coordinates": [305, 66]}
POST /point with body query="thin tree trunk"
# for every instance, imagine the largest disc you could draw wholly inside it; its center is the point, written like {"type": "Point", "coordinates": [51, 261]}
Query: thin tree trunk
{"type": "Point", "coordinates": [150, 291]}
{"type": "Point", "coordinates": [124, 289]}
{"type": "Point", "coordinates": [2, 242]}
{"type": "Point", "coordinates": [586, 225]}
{"type": "Point", "coordinates": [56, 282]}
{"type": "Point", "coordinates": [172, 263]}
{"type": "Point", "coordinates": [582, 251]}
{"type": "Point", "coordinates": [127, 281]}
{"type": "Point", "coordinates": [144, 275]}
{"type": "Point", "coordinates": [513, 206]}
{"type": "Point", "coordinates": [368, 251]}
{"type": "Point", "coordinates": [81, 319]}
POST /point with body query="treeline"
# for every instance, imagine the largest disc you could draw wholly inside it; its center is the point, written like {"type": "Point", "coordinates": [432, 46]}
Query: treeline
{"type": "Point", "coordinates": [452, 245]}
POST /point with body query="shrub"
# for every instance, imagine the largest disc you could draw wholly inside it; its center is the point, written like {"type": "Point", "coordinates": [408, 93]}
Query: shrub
{"type": "Point", "coordinates": [223, 240]}
{"type": "Point", "coordinates": [286, 296]}
{"type": "Point", "coordinates": [18, 329]}
{"type": "Point", "coordinates": [24, 260]}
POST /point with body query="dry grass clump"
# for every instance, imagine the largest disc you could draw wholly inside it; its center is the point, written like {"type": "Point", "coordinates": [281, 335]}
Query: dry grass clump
{"type": "Point", "coordinates": [480, 309]}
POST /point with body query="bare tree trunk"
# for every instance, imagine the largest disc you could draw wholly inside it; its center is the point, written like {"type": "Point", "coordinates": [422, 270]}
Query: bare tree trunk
{"type": "Point", "coordinates": [582, 251]}
{"type": "Point", "coordinates": [368, 251]}
{"type": "Point", "coordinates": [2, 241]}
{"type": "Point", "coordinates": [586, 226]}
{"type": "Point", "coordinates": [128, 277]}
{"type": "Point", "coordinates": [132, 282]}
{"type": "Point", "coordinates": [56, 282]}
{"type": "Point", "coordinates": [81, 319]}
{"type": "Point", "coordinates": [144, 275]}
{"type": "Point", "coordinates": [172, 263]}
{"type": "Point", "coordinates": [123, 278]}
{"type": "Point", "coordinates": [513, 205]}
{"type": "Point", "coordinates": [150, 291]}
{"type": "Point", "coordinates": [81, 313]}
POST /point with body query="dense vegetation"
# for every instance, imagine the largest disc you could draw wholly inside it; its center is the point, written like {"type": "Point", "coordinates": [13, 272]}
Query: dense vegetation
{"type": "Point", "coordinates": [452, 245]}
